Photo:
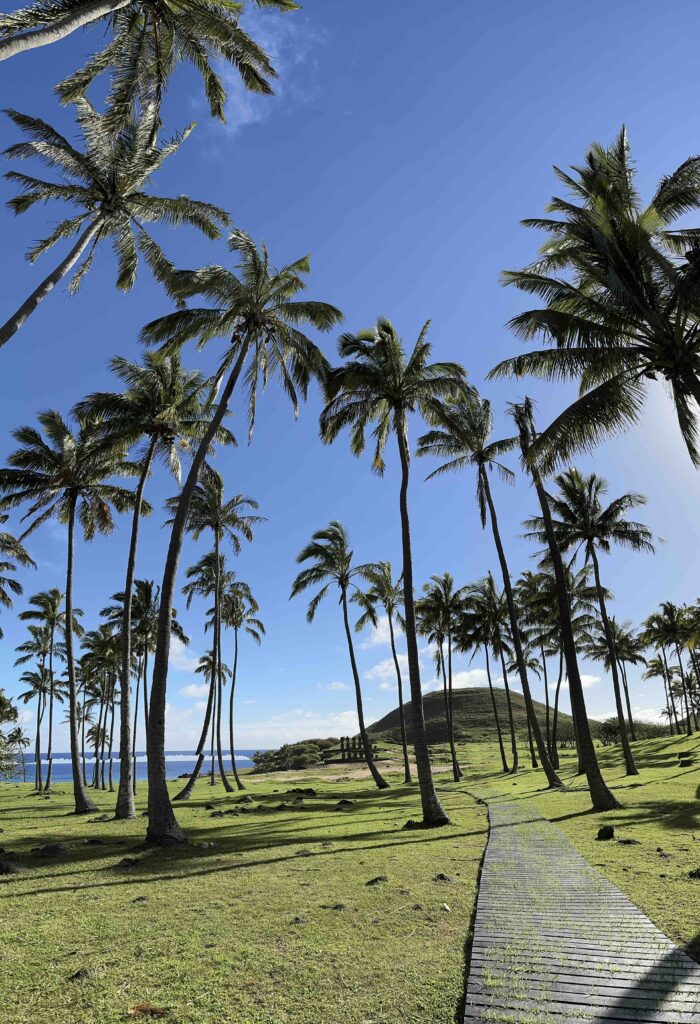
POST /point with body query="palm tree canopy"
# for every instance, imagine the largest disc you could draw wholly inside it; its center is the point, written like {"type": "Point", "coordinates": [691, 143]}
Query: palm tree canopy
{"type": "Point", "coordinates": [582, 520]}
{"type": "Point", "coordinates": [229, 519]}
{"type": "Point", "coordinates": [144, 616]}
{"type": "Point", "coordinates": [108, 182]}
{"type": "Point", "coordinates": [239, 609]}
{"type": "Point", "coordinates": [331, 557]}
{"type": "Point", "coordinates": [382, 592]}
{"type": "Point", "coordinates": [621, 307]}
{"type": "Point", "coordinates": [256, 310]}
{"type": "Point", "coordinates": [380, 384]}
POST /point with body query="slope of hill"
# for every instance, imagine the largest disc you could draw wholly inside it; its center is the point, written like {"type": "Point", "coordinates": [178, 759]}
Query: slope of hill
{"type": "Point", "coordinates": [473, 716]}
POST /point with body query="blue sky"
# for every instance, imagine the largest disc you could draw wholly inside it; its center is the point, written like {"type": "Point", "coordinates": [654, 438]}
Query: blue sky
{"type": "Point", "coordinates": [404, 144]}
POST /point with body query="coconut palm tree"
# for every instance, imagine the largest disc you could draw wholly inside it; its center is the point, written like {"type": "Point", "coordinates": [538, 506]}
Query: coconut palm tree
{"type": "Point", "coordinates": [239, 612]}
{"type": "Point", "coordinates": [108, 182]}
{"type": "Point", "coordinates": [668, 627]}
{"type": "Point", "coordinates": [619, 307]}
{"type": "Point", "coordinates": [229, 520]}
{"type": "Point", "coordinates": [627, 651]}
{"type": "Point", "coordinates": [146, 40]}
{"type": "Point", "coordinates": [601, 797]}
{"type": "Point", "coordinates": [37, 683]}
{"type": "Point", "coordinates": [381, 384]}
{"type": "Point", "coordinates": [461, 434]}
{"type": "Point", "coordinates": [46, 608]}
{"type": "Point", "coordinates": [62, 472]}
{"type": "Point", "coordinates": [583, 523]}
{"type": "Point", "coordinates": [18, 740]}
{"type": "Point", "coordinates": [12, 554]}
{"type": "Point", "coordinates": [212, 669]}
{"type": "Point", "coordinates": [657, 669]}
{"type": "Point", "coordinates": [330, 556]}
{"type": "Point", "coordinates": [164, 408]}
{"type": "Point", "coordinates": [436, 615]}
{"type": "Point", "coordinates": [386, 593]}
{"type": "Point", "coordinates": [257, 312]}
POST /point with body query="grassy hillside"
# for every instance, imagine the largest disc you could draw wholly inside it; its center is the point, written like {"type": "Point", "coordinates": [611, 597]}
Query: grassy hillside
{"type": "Point", "coordinates": [473, 716]}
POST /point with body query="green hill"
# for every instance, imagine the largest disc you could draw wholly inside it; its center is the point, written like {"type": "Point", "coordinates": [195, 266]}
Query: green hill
{"type": "Point", "coordinates": [473, 716]}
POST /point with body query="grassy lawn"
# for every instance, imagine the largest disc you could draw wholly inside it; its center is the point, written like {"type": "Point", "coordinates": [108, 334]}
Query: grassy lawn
{"type": "Point", "coordinates": [271, 922]}
{"type": "Point", "coordinates": [661, 811]}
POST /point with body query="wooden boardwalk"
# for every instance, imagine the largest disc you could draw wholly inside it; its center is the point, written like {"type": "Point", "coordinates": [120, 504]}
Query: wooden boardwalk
{"type": "Point", "coordinates": [557, 943]}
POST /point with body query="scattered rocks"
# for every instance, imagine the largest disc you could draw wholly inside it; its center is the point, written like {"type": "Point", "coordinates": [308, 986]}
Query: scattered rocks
{"type": "Point", "coordinates": [207, 846]}
{"type": "Point", "coordinates": [344, 805]}
{"type": "Point", "coordinates": [49, 850]}
{"type": "Point", "coordinates": [81, 974]}
{"type": "Point", "coordinates": [605, 833]}
{"type": "Point", "coordinates": [417, 906]}
{"type": "Point", "coordinates": [140, 899]}
{"type": "Point", "coordinates": [299, 791]}
{"type": "Point", "coordinates": [304, 853]}
{"type": "Point", "coordinates": [8, 867]}
{"type": "Point", "coordinates": [378, 880]}
{"type": "Point", "coordinates": [209, 807]}
{"type": "Point", "coordinates": [247, 799]}
{"type": "Point", "coordinates": [442, 877]}
{"type": "Point", "coordinates": [629, 842]}
{"type": "Point", "coordinates": [412, 825]}
{"type": "Point", "coordinates": [338, 906]}
{"type": "Point", "coordinates": [217, 814]}
{"type": "Point", "coordinates": [100, 818]}
{"type": "Point", "coordinates": [686, 762]}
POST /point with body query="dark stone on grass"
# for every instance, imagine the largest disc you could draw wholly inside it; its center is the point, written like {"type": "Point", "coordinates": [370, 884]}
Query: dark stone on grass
{"type": "Point", "coordinates": [247, 799]}
{"type": "Point", "coordinates": [338, 906]}
{"type": "Point", "coordinates": [299, 920]}
{"type": "Point", "coordinates": [128, 862]}
{"type": "Point", "coordinates": [80, 975]}
{"type": "Point", "coordinates": [418, 906]}
{"type": "Point", "coordinates": [378, 880]}
{"type": "Point", "coordinates": [99, 819]}
{"type": "Point", "coordinates": [299, 791]}
{"type": "Point", "coordinates": [686, 762]}
{"type": "Point", "coordinates": [216, 814]}
{"type": "Point", "coordinates": [209, 807]}
{"type": "Point", "coordinates": [344, 805]}
{"type": "Point", "coordinates": [605, 833]}
{"type": "Point", "coordinates": [304, 853]}
{"type": "Point", "coordinates": [93, 841]}
{"type": "Point", "coordinates": [8, 867]}
{"type": "Point", "coordinates": [442, 877]}
{"type": "Point", "coordinates": [411, 825]}
{"type": "Point", "coordinates": [49, 850]}
{"type": "Point", "coordinates": [695, 873]}
{"type": "Point", "coordinates": [282, 806]}
{"type": "Point", "coordinates": [142, 899]}
{"type": "Point", "coordinates": [629, 842]}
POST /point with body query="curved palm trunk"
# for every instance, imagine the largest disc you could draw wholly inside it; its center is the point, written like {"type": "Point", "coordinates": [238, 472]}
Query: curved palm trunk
{"type": "Point", "coordinates": [126, 807]}
{"type": "Point", "coordinates": [513, 741]}
{"type": "Point", "coordinates": [553, 779]}
{"type": "Point", "coordinates": [83, 803]}
{"type": "Point", "coordinates": [24, 764]}
{"type": "Point", "coordinates": [495, 711]}
{"type": "Point", "coordinates": [49, 741]}
{"type": "Point", "coordinates": [111, 745]}
{"type": "Point", "coordinates": [684, 687]}
{"type": "Point", "coordinates": [83, 722]}
{"type": "Point", "coordinates": [212, 774]}
{"type": "Point", "coordinates": [433, 812]}
{"type": "Point", "coordinates": [59, 29]}
{"type": "Point", "coordinates": [38, 773]}
{"type": "Point", "coordinates": [555, 713]}
{"type": "Point", "coordinates": [601, 797]}
{"type": "Point", "coordinates": [186, 792]}
{"type": "Point", "coordinates": [402, 715]}
{"type": "Point", "coordinates": [533, 758]}
{"type": "Point", "coordinates": [234, 679]}
{"type": "Point", "coordinates": [162, 824]}
{"type": "Point", "coordinates": [12, 325]}
{"type": "Point", "coordinates": [626, 690]}
{"type": "Point", "coordinates": [630, 766]}
{"type": "Point", "coordinates": [217, 662]}
{"type": "Point", "coordinates": [548, 729]}
{"type": "Point", "coordinates": [96, 750]}
{"type": "Point", "coordinates": [380, 782]}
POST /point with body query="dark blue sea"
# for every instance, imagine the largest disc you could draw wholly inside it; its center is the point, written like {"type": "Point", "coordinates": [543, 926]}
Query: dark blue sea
{"type": "Point", "coordinates": [177, 762]}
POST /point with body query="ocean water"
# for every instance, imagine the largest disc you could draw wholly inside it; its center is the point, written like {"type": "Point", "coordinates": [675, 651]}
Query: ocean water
{"type": "Point", "coordinates": [176, 762]}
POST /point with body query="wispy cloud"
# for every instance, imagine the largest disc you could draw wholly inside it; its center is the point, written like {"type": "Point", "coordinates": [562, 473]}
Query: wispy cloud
{"type": "Point", "coordinates": [195, 690]}
{"type": "Point", "coordinates": [332, 686]}
{"type": "Point", "coordinates": [182, 658]}
{"type": "Point", "coordinates": [379, 636]}
{"type": "Point", "coordinates": [587, 682]}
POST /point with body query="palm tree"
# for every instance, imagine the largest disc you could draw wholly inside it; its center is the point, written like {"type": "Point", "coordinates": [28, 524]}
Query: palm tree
{"type": "Point", "coordinates": [107, 182]}
{"type": "Point", "coordinates": [103, 655]}
{"type": "Point", "coordinates": [383, 592]}
{"type": "Point", "coordinates": [11, 552]}
{"type": "Point", "coordinates": [381, 384]}
{"type": "Point", "coordinates": [669, 628]}
{"type": "Point", "coordinates": [210, 667]}
{"type": "Point", "coordinates": [627, 651]}
{"type": "Point", "coordinates": [537, 632]}
{"type": "Point", "coordinates": [330, 556]}
{"type": "Point", "coordinates": [166, 408]}
{"type": "Point", "coordinates": [619, 309]}
{"type": "Point", "coordinates": [62, 473]}
{"type": "Point", "coordinates": [436, 614]}
{"type": "Point", "coordinates": [257, 312]}
{"type": "Point", "coordinates": [582, 522]}
{"type": "Point", "coordinates": [18, 740]}
{"type": "Point", "coordinates": [601, 797]}
{"type": "Point", "coordinates": [462, 435]}
{"type": "Point", "coordinates": [37, 681]}
{"type": "Point", "coordinates": [146, 39]}
{"type": "Point", "coordinates": [657, 669]}
{"type": "Point", "coordinates": [46, 607]}
{"type": "Point", "coordinates": [239, 612]}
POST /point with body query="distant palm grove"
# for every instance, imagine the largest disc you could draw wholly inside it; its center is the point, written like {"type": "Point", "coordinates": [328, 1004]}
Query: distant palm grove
{"type": "Point", "coordinates": [611, 302]}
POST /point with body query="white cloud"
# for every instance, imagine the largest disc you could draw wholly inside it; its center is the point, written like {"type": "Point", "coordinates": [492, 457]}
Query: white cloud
{"type": "Point", "coordinates": [332, 686]}
{"type": "Point", "coordinates": [470, 677]}
{"type": "Point", "coordinates": [648, 715]}
{"type": "Point", "coordinates": [587, 682]}
{"type": "Point", "coordinates": [249, 702]}
{"type": "Point", "coordinates": [380, 635]}
{"type": "Point", "coordinates": [386, 670]}
{"type": "Point", "coordinates": [195, 690]}
{"type": "Point", "coordinates": [182, 658]}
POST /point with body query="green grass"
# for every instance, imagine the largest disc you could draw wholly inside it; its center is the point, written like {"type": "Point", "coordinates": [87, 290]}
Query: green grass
{"type": "Point", "coordinates": [661, 810]}
{"type": "Point", "coordinates": [213, 936]}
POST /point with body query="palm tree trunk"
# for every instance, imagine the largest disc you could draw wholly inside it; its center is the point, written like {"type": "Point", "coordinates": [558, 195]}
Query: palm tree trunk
{"type": "Point", "coordinates": [456, 770]}
{"type": "Point", "coordinates": [455, 762]}
{"type": "Point", "coordinates": [546, 703]}
{"type": "Point", "coordinates": [234, 678]}
{"type": "Point", "coordinates": [49, 741]}
{"type": "Point", "coordinates": [12, 325]}
{"type": "Point", "coordinates": [60, 28]}
{"type": "Point", "coordinates": [601, 797]}
{"type": "Point", "coordinates": [145, 689]}
{"type": "Point", "coordinates": [186, 792]}
{"type": "Point", "coordinates": [626, 690]}
{"type": "Point", "coordinates": [402, 714]}
{"type": "Point", "coordinates": [162, 824]}
{"type": "Point", "coordinates": [217, 662]}
{"type": "Point", "coordinates": [38, 774]}
{"type": "Point", "coordinates": [215, 687]}
{"type": "Point", "coordinates": [555, 713]}
{"type": "Point", "coordinates": [630, 766]}
{"type": "Point", "coordinates": [380, 782]}
{"type": "Point", "coordinates": [126, 808]}
{"type": "Point", "coordinates": [513, 741]}
{"type": "Point", "coordinates": [533, 759]}
{"type": "Point", "coordinates": [433, 812]}
{"type": "Point", "coordinates": [83, 803]}
{"type": "Point", "coordinates": [696, 672]}
{"type": "Point", "coordinates": [136, 722]}
{"type": "Point", "coordinates": [684, 687]}
{"type": "Point", "coordinates": [111, 745]}
{"type": "Point", "coordinates": [24, 764]}
{"type": "Point", "coordinates": [98, 734]}
{"type": "Point", "coordinates": [669, 682]}
{"type": "Point", "coordinates": [83, 722]}
{"type": "Point", "coordinates": [553, 779]}
{"type": "Point", "coordinates": [495, 711]}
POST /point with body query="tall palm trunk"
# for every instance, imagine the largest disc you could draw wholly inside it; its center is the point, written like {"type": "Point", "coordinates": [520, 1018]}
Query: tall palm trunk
{"type": "Point", "coordinates": [12, 325]}
{"type": "Point", "coordinates": [215, 687]}
{"type": "Point", "coordinates": [601, 797]}
{"type": "Point", "coordinates": [162, 824]}
{"type": "Point", "coordinates": [111, 745]}
{"type": "Point", "coordinates": [38, 773]}
{"type": "Point", "coordinates": [553, 779]}
{"type": "Point", "coordinates": [513, 741]}
{"type": "Point", "coordinates": [626, 691]}
{"type": "Point", "coordinates": [455, 762]}
{"type": "Point", "coordinates": [696, 672]}
{"type": "Point", "coordinates": [217, 662]}
{"type": "Point", "coordinates": [433, 812]}
{"type": "Point", "coordinates": [380, 782]}
{"type": "Point", "coordinates": [126, 807]}
{"type": "Point", "coordinates": [49, 741]}
{"type": "Point", "coordinates": [136, 722]}
{"type": "Point", "coordinates": [684, 687]}
{"type": "Point", "coordinates": [456, 770]}
{"type": "Point", "coordinates": [669, 682]}
{"type": "Point", "coordinates": [533, 757]}
{"type": "Point", "coordinates": [96, 752]}
{"type": "Point", "coordinates": [186, 792]}
{"type": "Point", "coordinates": [555, 712]}
{"type": "Point", "coordinates": [83, 803]}
{"type": "Point", "coordinates": [630, 766]}
{"type": "Point", "coordinates": [495, 711]}
{"type": "Point", "coordinates": [402, 714]}
{"type": "Point", "coordinates": [234, 678]}
{"type": "Point", "coordinates": [60, 28]}
{"type": "Point", "coordinates": [83, 722]}
{"type": "Point", "coordinates": [548, 729]}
